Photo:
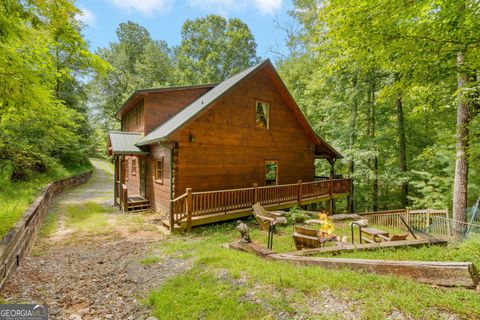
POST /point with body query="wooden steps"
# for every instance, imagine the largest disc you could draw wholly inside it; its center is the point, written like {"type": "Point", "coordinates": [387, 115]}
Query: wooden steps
{"type": "Point", "coordinates": [138, 204]}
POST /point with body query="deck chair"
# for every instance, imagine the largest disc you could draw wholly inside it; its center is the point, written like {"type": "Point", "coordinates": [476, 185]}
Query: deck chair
{"type": "Point", "coordinates": [266, 218]}
{"type": "Point", "coordinates": [305, 238]}
{"type": "Point", "coordinates": [394, 237]}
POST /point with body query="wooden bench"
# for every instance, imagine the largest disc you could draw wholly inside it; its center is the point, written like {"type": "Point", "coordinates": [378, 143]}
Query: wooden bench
{"type": "Point", "coordinates": [266, 218]}
{"type": "Point", "coordinates": [373, 233]}
{"type": "Point", "coordinates": [305, 238]}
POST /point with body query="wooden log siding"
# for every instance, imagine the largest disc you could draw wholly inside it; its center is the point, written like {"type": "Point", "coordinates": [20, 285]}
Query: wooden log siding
{"type": "Point", "coordinates": [226, 201]}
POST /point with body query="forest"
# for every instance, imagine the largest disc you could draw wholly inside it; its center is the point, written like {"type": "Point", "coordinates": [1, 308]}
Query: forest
{"type": "Point", "coordinates": [393, 85]}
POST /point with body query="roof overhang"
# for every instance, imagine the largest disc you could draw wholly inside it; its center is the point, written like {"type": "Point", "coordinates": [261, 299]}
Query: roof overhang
{"type": "Point", "coordinates": [137, 95]}
{"type": "Point", "coordinates": [123, 143]}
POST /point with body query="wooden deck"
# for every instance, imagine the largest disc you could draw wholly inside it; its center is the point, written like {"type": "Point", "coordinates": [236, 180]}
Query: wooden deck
{"type": "Point", "coordinates": [197, 208]}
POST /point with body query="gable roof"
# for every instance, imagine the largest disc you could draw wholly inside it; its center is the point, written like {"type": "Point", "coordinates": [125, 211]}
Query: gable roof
{"type": "Point", "coordinates": [190, 112]}
{"type": "Point", "coordinates": [141, 92]}
{"type": "Point", "coordinates": [203, 102]}
{"type": "Point", "coordinates": [124, 143]}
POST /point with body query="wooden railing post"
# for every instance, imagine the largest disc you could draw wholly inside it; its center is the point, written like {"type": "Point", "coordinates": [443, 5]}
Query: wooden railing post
{"type": "Point", "coordinates": [189, 209]}
{"type": "Point", "coordinates": [427, 221]}
{"type": "Point", "coordinates": [330, 193]}
{"type": "Point", "coordinates": [172, 215]}
{"type": "Point", "coordinates": [255, 193]}
{"type": "Point", "coordinates": [299, 193]}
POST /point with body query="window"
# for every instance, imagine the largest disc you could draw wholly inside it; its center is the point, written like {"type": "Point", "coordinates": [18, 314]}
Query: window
{"type": "Point", "coordinates": [271, 173]}
{"type": "Point", "coordinates": [134, 167]}
{"type": "Point", "coordinates": [159, 170]}
{"type": "Point", "coordinates": [262, 115]}
{"type": "Point", "coordinates": [139, 114]}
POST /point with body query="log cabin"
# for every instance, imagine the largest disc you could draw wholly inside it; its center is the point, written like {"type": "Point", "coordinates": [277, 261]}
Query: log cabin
{"type": "Point", "coordinates": [205, 153]}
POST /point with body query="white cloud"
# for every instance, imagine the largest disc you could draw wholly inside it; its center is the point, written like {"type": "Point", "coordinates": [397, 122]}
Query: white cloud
{"type": "Point", "coordinates": [268, 6]}
{"type": "Point", "coordinates": [145, 7]}
{"type": "Point", "coordinates": [86, 16]}
{"type": "Point", "coordinates": [224, 7]}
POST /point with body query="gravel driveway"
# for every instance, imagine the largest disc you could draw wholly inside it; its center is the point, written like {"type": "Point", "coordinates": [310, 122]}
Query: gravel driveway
{"type": "Point", "coordinates": [99, 279]}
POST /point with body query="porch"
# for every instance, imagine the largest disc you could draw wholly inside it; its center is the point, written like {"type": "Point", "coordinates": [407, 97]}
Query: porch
{"type": "Point", "coordinates": [198, 208]}
{"type": "Point", "coordinates": [130, 203]}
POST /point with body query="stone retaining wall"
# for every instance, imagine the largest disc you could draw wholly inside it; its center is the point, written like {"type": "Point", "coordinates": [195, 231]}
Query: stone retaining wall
{"type": "Point", "coordinates": [18, 242]}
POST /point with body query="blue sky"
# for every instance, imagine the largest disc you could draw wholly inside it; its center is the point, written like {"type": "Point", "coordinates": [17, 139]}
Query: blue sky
{"type": "Point", "coordinates": [164, 19]}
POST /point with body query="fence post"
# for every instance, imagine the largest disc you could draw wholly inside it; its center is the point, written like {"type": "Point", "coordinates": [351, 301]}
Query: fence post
{"type": "Point", "coordinates": [255, 194]}
{"type": "Point", "coordinates": [427, 222]}
{"type": "Point", "coordinates": [449, 228]}
{"type": "Point", "coordinates": [189, 209]}
{"type": "Point", "coordinates": [407, 212]}
{"type": "Point", "coordinates": [299, 193]}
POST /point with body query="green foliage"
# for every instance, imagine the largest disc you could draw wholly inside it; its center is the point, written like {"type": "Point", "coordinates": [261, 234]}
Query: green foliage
{"type": "Point", "coordinates": [352, 60]}
{"type": "Point", "coordinates": [43, 114]}
{"type": "Point", "coordinates": [213, 49]}
{"type": "Point", "coordinates": [296, 215]}
{"type": "Point", "coordinates": [15, 197]}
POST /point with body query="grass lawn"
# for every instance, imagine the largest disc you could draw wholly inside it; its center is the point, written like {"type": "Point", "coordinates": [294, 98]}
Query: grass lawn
{"type": "Point", "coordinates": [227, 284]}
{"type": "Point", "coordinates": [16, 197]}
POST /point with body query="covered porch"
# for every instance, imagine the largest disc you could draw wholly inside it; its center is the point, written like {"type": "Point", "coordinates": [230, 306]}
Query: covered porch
{"type": "Point", "coordinates": [120, 146]}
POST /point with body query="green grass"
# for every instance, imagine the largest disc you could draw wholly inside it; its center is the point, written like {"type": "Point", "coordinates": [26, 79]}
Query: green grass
{"type": "Point", "coordinates": [87, 216]}
{"type": "Point", "coordinates": [150, 260]}
{"type": "Point", "coordinates": [49, 223]}
{"type": "Point", "coordinates": [16, 197]}
{"type": "Point", "coordinates": [283, 288]}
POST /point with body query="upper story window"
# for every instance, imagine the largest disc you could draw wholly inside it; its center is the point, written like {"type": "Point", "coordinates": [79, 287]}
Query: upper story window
{"type": "Point", "coordinates": [133, 118]}
{"type": "Point", "coordinates": [262, 114]}
{"type": "Point", "coordinates": [134, 167]}
{"type": "Point", "coordinates": [159, 170]}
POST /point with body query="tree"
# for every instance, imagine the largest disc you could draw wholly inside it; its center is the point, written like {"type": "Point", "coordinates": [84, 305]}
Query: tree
{"type": "Point", "coordinates": [42, 56]}
{"type": "Point", "coordinates": [136, 61]}
{"type": "Point", "coordinates": [412, 48]}
{"type": "Point", "coordinates": [213, 49]}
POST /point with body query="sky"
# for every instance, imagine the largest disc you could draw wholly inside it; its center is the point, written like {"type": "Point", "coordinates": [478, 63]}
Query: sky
{"type": "Point", "coordinates": [164, 19]}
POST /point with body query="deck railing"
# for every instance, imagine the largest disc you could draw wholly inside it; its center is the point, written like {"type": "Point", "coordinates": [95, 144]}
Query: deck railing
{"type": "Point", "coordinates": [419, 220]}
{"type": "Point", "coordinates": [193, 204]}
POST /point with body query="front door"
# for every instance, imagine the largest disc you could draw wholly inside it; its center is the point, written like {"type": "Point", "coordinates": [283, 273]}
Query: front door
{"type": "Point", "coordinates": [142, 176]}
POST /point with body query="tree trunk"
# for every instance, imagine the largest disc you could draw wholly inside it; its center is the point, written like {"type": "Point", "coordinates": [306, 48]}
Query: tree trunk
{"type": "Point", "coordinates": [353, 138]}
{"type": "Point", "coordinates": [402, 146]}
{"type": "Point", "coordinates": [461, 164]}
{"type": "Point", "coordinates": [375, 158]}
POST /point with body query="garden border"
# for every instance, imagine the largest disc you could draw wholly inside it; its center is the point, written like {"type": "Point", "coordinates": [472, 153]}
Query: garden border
{"type": "Point", "coordinates": [18, 241]}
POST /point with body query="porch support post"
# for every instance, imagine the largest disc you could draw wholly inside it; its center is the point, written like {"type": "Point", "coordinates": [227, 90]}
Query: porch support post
{"type": "Point", "coordinates": [189, 209]}
{"type": "Point", "coordinates": [120, 180]}
{"type": "Point", "coordinates": [115, 179]}
{"type": "Point", "coordinates": [299, 193]}
{"type": "Point", "coordinates": [332, 175]}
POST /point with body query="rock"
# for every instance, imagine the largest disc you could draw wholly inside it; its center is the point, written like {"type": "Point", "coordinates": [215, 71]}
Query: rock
{"type": "Point", "coordinates": [151, 318]}
{"type": "Point", "coordinates": [83, 312]}
{"type": "Point", "coordinates": [75, 317]}
{"type": "Point", "coordinates": [343, 216]}
{"type": "Point", "coordinates": [108, 316]}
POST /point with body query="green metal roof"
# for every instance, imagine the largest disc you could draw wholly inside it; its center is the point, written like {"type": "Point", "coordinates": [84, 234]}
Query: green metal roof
{"type": "Point", "coordinates": [189, 112]}
{"type": "Point", "coordinates": [124, 142]}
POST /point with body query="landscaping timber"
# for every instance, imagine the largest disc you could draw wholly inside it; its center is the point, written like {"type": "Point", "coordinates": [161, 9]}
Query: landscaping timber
{"type": "Point", "coordinates": [459, 274]}
{"type": "Point", "coordinates": [369, 246]}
